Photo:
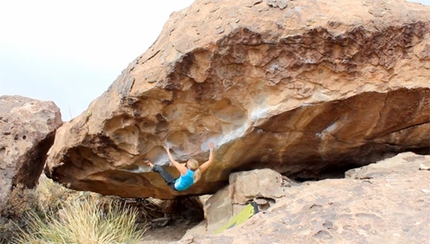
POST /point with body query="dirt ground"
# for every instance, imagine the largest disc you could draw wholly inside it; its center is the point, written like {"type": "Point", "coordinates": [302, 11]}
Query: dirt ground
{"type": "Point", "coordinates": [167, 234]}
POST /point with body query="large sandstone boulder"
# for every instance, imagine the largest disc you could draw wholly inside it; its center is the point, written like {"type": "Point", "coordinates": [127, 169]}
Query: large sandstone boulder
{"type": "Point", "coordinates": [302, 87]}
{"type": "Point", "coordinates": [385, 202]}
{"type": "Point", "coordinates": [27, 130]}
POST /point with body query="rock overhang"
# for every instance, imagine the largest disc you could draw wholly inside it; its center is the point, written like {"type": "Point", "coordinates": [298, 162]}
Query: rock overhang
{"type": "Point", "coordinates": [296, 99]}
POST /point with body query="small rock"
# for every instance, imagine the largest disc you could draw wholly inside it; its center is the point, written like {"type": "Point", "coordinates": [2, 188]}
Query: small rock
{"type": "Point", "coordinates": [277, 3]}
{"type": "Point", "coordinates": [424, 166]}
{"type": "Point", "coordinates": [260, 201]}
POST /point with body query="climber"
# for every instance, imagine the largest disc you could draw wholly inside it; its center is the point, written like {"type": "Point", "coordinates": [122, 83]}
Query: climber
{"type": "Point", "coordinates": [190, 172]}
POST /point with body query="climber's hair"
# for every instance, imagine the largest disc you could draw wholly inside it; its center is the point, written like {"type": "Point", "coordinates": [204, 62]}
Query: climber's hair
{"type": "Point", "coordinates": [193, 164]}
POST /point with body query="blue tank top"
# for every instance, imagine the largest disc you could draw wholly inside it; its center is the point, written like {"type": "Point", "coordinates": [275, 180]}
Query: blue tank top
{"type": "Point", "coordinates": [185, 181]}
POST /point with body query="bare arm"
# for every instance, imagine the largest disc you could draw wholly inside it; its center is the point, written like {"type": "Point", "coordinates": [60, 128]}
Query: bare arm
{"type": "Point", "coordinates": [181, 168]}
{"type": "Point", "coordinates": [206, 164]}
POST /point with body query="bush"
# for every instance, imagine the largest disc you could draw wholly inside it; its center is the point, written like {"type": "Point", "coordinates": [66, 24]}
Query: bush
{"type": "Point", "coordinates": [45, 198]}
{"type": "Point", "coordinates": [52, 213]}
{"type": "Point", "coordinates": [11, 213]}
{"type": "Point", "coordinates": [84, 220]}
{"type": "Point", "coordinates": [49, 196]}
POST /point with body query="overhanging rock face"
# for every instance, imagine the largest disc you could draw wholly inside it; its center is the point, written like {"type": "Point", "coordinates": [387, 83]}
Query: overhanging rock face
{"type": "Point", "coordinates": [297, 86]}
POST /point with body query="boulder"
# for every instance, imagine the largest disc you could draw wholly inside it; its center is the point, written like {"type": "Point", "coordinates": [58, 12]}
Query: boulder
{"type": "Point", "coordinates": [253, 185]}
{"type": "Point", "coordinates": [302, 87]}
{"type": "Point", "coordinates": [260, 183]}
{"type": "Point", "coordinates": [385, 202]}
{"type": "Point", "coordinates": [27, 130]}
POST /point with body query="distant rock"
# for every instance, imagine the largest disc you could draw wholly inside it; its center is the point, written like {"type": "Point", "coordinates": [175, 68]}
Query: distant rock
{"type": "Point", "coordinates": [385, 202]}
{"type": "Point", "coordinates": [27, 130]}
{"type": "Point", "coordinates": [306, 88]}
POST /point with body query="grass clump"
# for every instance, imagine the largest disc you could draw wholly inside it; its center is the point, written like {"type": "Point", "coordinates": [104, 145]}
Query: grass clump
{"type": "Point", "coordinates": [43, 200]}
{"type": "Point", "coordinates": [84, 220]}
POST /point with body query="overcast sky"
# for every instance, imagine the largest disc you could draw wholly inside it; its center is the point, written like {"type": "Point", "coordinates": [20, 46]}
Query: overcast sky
{"type": "Point", "coordinates": [70, 52]}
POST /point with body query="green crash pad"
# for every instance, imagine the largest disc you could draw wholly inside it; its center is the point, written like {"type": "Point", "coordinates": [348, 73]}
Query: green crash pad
{"type": "Point", "coordinates": [245, 214]}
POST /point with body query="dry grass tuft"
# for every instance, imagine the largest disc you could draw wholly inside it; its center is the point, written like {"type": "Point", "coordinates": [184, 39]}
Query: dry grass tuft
{"type": "Point", "coordinates": [52, 213]}
{"type": "Point", "coordinates": [84, 220]}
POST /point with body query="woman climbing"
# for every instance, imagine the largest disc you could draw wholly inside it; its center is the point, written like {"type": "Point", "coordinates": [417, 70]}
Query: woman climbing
{"type": "Point", "coordinates": [190, 172]}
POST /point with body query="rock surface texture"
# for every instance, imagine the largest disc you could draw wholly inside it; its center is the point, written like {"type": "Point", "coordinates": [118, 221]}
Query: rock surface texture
{"type": "Point", "coordinates": [301, 87]}
{"type": "Point", "coordinates": [385, 202]}
{"type": "Point", "coordinates": [27, 130]}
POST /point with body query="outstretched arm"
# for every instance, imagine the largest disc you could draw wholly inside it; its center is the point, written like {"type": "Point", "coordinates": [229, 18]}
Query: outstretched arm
{"type": "Point", "coordinates": [181, 168]}
{"type": "Point", "coordinates": [206, 164]}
